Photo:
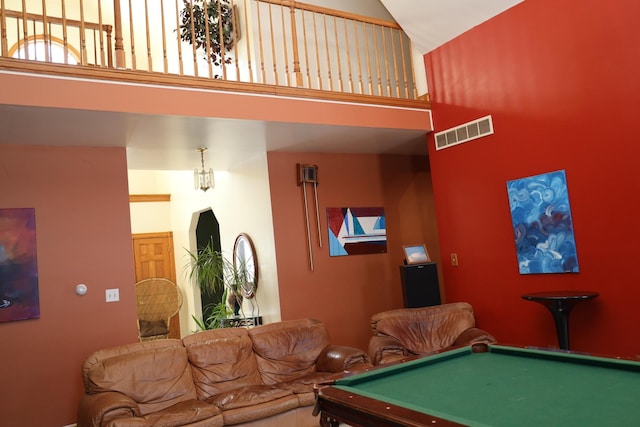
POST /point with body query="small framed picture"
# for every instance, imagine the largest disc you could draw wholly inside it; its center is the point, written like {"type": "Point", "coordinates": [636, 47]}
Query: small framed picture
{"type": "Point", "coordinates": [416, 254]}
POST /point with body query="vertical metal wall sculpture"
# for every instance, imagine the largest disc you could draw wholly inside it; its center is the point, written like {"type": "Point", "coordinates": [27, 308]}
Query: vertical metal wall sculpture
{"type": "Point", "coordinates": [308, 174]}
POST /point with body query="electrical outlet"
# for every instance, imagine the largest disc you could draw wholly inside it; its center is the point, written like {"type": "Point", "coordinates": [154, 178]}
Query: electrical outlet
{"type": "Point", "coordinates": [113, 295]}
{"type": "Point", "coordinates": [454, 260]}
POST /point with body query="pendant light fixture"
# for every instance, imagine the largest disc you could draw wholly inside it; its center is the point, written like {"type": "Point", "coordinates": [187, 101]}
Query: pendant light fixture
{"type": "Point", "coordinates": [203, 178]}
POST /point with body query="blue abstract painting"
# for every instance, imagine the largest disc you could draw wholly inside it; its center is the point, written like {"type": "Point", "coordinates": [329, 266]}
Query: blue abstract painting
{"type": "Point", "coordinates": [542, 225]}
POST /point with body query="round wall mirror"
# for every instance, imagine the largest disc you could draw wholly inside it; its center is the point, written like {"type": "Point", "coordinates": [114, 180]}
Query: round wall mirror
{"type": "Point", "coordinates": [244, 259]}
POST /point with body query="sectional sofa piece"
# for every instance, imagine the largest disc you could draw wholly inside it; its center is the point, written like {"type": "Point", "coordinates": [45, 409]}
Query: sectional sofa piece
{"type": "Point", "coordinates": [235, 376]}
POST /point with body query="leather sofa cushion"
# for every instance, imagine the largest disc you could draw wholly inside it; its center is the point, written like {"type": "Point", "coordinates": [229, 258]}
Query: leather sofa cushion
{"type": "Point", "coordinates": [221, 359]}
{"type": "Point", "coordinates": [288, 350]}
{"type": "Point", "coordinates": [266, 414]}
{"type": "Point", "coordinates": [155, 374]}
{"type": "Point", "coordinates": [422, 330]}
{"type": "Point", "coordinates": [187, 413]}
{"type": "Point", "coordinates": [248, 396]}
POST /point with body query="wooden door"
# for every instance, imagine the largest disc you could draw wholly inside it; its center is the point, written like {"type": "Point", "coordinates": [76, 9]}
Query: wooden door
{"type": "Point", "coordinates": [153, 257]}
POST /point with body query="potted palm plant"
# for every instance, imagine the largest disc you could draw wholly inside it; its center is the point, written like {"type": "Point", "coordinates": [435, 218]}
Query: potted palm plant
{"type": "Point", "coordinates": [215, 273]}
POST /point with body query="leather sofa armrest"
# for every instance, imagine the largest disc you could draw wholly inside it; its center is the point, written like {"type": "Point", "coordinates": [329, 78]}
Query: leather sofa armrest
{"type": "Point", "coordinates": [474, 335]}
{"type": "Point", "coordinates": [96, 410]}
{"type": "Point", "coordinates": [383, 347]}
{"type": "Point", "coordinates": [338, 358]}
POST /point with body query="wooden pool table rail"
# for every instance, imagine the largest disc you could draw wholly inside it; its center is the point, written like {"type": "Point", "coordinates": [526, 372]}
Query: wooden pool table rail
{"type": "Point", "coordinates": [330, 404]}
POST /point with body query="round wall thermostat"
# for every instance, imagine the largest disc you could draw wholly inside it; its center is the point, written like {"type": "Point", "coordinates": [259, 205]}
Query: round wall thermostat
{"type": "Point", "coordinates": [81, 289]}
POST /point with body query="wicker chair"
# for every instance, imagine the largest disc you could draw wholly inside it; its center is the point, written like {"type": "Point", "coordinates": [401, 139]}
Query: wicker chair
{"type": "Point", "coordinates": [158, 300]}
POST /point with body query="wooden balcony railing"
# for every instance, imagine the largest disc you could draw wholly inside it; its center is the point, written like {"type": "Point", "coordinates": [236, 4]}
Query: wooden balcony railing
{"type": "Point", "coordinates": [271, 42]}
{"type": "Point", "coordinates": [33, 36]}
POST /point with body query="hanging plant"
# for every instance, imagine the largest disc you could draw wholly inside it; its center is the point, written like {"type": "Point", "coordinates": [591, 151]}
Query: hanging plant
{"type": "Point", "coordinates": [198, 21]}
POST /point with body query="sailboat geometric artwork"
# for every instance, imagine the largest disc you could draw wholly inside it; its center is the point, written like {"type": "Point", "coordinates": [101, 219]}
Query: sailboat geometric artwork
{"type": "Point", "coordinates": [356, 231]}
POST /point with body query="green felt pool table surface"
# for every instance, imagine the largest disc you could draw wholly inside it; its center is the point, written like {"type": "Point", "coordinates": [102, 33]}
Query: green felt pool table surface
{"type": "Point", "coordinates": [500, 386]}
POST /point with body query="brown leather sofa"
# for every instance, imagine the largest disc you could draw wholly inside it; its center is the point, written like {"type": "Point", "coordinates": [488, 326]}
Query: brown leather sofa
{"type": "Point", "coordinates": [235, 376]}
{"type": "Point", "coordinates": [398, 334]}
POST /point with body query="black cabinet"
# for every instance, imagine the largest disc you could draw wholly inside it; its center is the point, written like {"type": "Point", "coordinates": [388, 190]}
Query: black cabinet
{"type": "Point", "coordinates": [420, 286]}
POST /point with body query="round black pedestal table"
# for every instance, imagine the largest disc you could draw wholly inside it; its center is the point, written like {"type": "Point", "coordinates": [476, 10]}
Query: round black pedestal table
{"type": "Point", "coordinates": [560, 304]}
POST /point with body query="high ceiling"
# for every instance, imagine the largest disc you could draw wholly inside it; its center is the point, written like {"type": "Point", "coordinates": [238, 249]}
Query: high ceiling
{"type": "Point", "coordinates": [166, 142]}
{"type": "Point", "coordinates": [431, 23]}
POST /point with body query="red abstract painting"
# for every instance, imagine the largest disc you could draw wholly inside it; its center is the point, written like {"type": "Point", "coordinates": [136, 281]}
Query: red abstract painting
{"type": "Point", "coordinates": [19, 298]}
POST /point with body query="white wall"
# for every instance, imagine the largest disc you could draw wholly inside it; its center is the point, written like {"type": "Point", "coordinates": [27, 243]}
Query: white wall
{"type": "Point", "coordinates": [373, 9]}
{"type": "Point", "coordinates": [241, 202]}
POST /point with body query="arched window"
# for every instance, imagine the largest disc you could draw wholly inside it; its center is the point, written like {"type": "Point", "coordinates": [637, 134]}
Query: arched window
{"type": "Point", "coordinates": [38, 47]}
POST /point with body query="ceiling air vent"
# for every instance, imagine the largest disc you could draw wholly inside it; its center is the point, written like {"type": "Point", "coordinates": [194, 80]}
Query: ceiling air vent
{"type": "Point", "coordinates": [463, 133]}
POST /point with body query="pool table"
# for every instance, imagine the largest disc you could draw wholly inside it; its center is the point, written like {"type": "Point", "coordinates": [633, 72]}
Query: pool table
{"type": "Point", "coordinates": [488, 385]}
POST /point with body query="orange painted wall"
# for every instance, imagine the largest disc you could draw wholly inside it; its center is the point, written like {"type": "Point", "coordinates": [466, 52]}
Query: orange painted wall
{"type": "Point", "coordinates": [561, 84]}
{"type": "Point", "coordinates": [81, 205]}
{"type": "Point", "coordinates": [344, 292]}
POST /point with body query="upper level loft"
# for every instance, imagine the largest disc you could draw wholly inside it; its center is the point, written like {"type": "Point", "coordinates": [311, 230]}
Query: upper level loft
{"type": "Point", "coordinates": [276, 47]}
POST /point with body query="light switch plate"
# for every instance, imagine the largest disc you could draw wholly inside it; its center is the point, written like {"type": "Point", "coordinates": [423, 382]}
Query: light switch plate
{"type": "Point", "coordinates": [113, 295]}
